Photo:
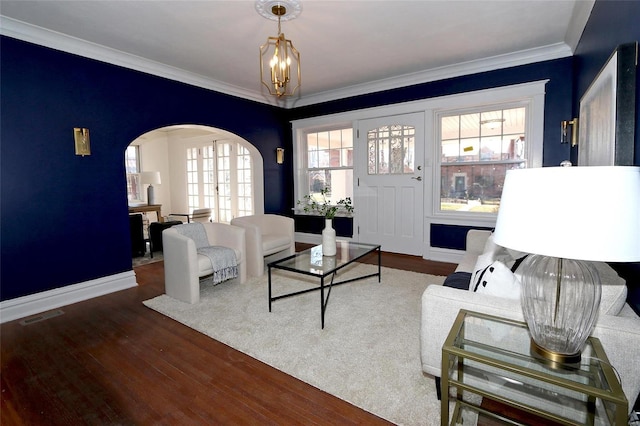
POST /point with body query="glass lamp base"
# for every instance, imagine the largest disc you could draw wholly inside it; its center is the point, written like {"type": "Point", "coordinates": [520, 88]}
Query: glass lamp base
{"type": "Point", "coordinates": [560, 300]}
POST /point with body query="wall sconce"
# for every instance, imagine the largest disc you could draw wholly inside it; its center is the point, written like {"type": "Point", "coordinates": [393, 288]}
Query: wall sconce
{"type": "Point", "coordinates": [279, 155]}
{"type": "Point", "coordinates": [81, 138]}
{"type": "Point", "coordinates": [564, 127]}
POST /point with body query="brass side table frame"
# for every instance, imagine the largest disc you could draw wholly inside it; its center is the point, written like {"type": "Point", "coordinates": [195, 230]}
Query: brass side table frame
{"type": "Point", "coordinates": [489, 357]}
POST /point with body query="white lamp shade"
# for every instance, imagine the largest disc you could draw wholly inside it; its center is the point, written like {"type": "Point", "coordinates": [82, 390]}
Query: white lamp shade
{"type": "Point", "coordinates": [151, 178]}
{"type": "Point", "coordinates": [585, 213]}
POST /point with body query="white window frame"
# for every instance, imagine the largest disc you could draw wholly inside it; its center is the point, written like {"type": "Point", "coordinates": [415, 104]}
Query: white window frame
{"type": "Point", "coordinates": [531, 92]}
{"type": "Point", "coordinates": [300, 158]}
{"type": "Point", "coordinates": [134, 176]}
{"type": "Point", "coordinates": [530, 95]}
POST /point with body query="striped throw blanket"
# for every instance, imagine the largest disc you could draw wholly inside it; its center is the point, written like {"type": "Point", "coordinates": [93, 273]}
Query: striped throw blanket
{"type": "Point", "coordinates": [223, 259]}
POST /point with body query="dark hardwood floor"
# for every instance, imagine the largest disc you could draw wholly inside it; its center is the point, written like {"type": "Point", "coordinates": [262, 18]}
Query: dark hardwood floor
{"type": "Point", "coordinates": [110, 360]}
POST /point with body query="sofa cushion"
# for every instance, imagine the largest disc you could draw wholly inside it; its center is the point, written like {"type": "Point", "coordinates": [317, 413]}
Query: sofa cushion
{"type": "Point", "coordinates": [496, 279]}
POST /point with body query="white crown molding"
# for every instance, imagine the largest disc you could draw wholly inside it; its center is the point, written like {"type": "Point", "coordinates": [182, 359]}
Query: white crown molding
{"type": "Point", "coordinates": [58, 41]}
{"type": "Point", "coordinates": [21, 307]}
{"type": "Point", "coordinates": [55, 40]}
{"type": "Point", "coordinates": [579, 17]}
{"type": "Point", "coordinates": [554, 51]}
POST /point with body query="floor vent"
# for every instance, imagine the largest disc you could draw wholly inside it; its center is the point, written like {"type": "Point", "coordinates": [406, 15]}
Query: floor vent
{"type": "Point", "coordinates": [41, 317]}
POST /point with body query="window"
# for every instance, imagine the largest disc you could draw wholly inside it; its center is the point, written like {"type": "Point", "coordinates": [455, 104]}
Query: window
{"type": "Point", "coordinates": [476, 150]}
{"type": "Point", "coordinates": [132, 169]}
{"type": "Point", "coordinates": [329, 163]}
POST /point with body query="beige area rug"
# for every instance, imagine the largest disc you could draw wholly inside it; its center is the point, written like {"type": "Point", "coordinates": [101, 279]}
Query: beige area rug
{"type": "Point", "coordinates": [367, 354]}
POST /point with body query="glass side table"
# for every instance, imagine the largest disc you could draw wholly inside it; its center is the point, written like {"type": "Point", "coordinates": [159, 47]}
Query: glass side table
{"type": "Point", "coordinates": [489, 357]}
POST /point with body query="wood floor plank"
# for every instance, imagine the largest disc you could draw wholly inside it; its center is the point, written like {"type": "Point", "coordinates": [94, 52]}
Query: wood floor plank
{"type": "Point", "coordinates": [112, 360]}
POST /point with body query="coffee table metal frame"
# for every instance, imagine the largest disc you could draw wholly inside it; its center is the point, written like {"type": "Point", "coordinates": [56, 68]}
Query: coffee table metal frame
{"type": "Point", "coordinates": [344, 257]}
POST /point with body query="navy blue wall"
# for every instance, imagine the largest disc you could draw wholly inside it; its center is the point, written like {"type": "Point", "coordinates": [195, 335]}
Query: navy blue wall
{"type": "Point", "coordinates": [558, 106]}
{"type": "Point", "coordinates": [611, 23]}
{"type": "Point", "coordinates": [64, 217]}
{"type": "Point", "coordinates": [558, 98]}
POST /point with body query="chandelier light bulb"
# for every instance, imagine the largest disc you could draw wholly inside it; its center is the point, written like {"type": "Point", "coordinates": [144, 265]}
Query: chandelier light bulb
{"type": "Point", "coordinates": [280, 52]}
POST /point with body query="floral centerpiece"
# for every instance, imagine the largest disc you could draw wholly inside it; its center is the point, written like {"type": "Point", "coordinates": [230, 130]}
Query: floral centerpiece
{"type": "Point", "coordinates": [322, 207]}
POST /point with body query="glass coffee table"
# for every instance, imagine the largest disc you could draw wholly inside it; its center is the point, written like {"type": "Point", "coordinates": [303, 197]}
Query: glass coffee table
{"type": "Point", "coordinates": [311, 262]}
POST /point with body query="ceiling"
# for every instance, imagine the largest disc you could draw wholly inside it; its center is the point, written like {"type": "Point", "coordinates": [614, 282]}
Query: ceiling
{"type": "Point", "coordinates": [347, 48]}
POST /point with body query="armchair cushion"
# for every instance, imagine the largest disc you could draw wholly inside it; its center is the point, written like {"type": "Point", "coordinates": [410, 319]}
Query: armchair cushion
{"type": "Point", "coordinates": [183, 266]}
{"type": "Point", "coordinates": [267, 235]}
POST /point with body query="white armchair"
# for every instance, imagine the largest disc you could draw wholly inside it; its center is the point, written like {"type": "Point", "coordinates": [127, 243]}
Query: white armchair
{"type": "Point", "coordinates": [183, 266]}
{"type": "Point", "coordinates": [268, 235]}
{"type": "Point", "coordinates": [617, 327]}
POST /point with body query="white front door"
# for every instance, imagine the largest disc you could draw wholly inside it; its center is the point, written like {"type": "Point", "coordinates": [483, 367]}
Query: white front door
{"type": "Point", "coordinates": [389, 183]}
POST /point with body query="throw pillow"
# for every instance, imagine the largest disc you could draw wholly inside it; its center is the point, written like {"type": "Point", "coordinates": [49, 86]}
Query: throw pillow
{"type": "Point", "coordinates": [482, 262]}
{"type": "Point", "coordinates": [459, 280]}
{"type": "Point", "coordinates": [496, 279]}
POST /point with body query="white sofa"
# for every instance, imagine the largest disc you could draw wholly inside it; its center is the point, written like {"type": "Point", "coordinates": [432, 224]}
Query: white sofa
{"type": "Point", "coordinates": [268, 235]}
{"type": "Point", "coordinates": [183, 266]}
{"type": "Point", "coordinates": [617, 327]}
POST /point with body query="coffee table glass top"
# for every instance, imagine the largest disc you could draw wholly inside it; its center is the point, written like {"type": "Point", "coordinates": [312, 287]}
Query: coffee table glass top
{"type": "Point", "coordinates": [312, 262]}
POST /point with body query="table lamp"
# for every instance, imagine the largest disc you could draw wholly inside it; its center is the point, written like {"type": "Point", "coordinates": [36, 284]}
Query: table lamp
{"type": "Point", "coordinates": [150, 178]}
{"type": "Point", "coordinates": [567, 217]}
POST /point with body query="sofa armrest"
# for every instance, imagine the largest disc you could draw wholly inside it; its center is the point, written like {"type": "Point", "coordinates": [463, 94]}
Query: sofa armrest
{"type": "Point", "coordinates": [440, 307]}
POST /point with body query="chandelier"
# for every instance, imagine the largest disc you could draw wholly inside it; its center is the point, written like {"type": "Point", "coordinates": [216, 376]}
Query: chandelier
{"type": "Point", "coordinates": [279, 60]}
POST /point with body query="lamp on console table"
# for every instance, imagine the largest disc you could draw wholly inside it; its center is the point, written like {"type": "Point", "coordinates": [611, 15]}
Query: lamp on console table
{"type": "Point", "coordinates": [567, 217]}
{"type": "Point", "coordinates": [150, 178]}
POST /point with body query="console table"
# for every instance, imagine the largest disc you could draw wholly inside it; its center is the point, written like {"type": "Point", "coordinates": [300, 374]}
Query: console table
{"type": "Point", "coordinates": [143, 208]}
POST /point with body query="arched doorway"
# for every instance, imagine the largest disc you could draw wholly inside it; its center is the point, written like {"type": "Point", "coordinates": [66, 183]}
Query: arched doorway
{"type": "Point", "coordinates": [200, 167]}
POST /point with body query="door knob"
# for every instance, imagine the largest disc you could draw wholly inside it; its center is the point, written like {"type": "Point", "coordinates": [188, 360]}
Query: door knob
{"type": "Point", "coordinates": [419, 178]}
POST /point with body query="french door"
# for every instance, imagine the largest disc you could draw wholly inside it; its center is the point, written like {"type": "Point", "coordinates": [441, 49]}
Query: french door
{"type": "Point", "coordinates": [389, 183]}
{"type": "Point", "coordinates": [219, 176]}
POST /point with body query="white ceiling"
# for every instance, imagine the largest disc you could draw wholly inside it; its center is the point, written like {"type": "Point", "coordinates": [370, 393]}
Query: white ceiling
{"type": "Point", "coordinates": [347, 47]}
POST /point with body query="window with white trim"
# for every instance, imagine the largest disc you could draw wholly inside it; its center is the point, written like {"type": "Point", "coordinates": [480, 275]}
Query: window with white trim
{"type": "Point", "coordinates": [477, 147]}
{"type": "Point", "coordinates": [132, 168]}
{"type": "Point", "coordinates": [328, 163]}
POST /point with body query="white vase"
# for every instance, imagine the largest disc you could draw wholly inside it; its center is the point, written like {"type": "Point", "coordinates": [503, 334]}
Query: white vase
{"type": "Point", "coordinates": [328, 239]}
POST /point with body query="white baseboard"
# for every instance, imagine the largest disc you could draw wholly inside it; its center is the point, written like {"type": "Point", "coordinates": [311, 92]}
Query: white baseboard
{"type": "Point", "coordinates": [24, 306]}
